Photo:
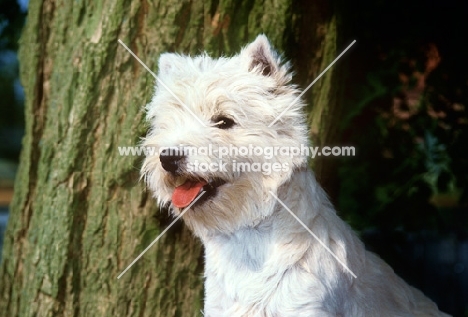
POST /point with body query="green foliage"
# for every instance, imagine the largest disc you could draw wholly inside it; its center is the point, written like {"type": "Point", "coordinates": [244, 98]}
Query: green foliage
{"type": "Point", "coordinates": [408, 122]}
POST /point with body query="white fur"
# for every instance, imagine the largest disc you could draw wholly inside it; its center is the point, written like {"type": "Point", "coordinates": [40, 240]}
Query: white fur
{"type": "Point", "coordinates": [259, 260]}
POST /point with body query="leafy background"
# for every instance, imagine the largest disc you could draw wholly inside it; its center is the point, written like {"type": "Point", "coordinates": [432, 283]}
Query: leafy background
{"type": "Point", "coordinates": [406, 114]}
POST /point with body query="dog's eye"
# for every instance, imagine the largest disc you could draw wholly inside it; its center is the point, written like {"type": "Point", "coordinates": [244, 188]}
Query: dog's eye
{"type": "Point", "coordinates": [223, 122]}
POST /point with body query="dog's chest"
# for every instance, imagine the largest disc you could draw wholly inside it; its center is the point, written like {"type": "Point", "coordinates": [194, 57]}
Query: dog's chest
{"type": "Point", "coordinates": [244, 273]}
{"type": "Point", "coordinates": [236, 266]}
{"type": "Point", "coordinates": [244, 251]}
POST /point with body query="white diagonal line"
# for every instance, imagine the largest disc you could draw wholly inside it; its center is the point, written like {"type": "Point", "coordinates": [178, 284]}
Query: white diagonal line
{"type": "Point", "coordinates": [160, 235]}
{"type": "Point", "coordinates": [162, 83]}
{"type": "Point", "coordinates": [313, 235]}
{"type": "Point", "coordinates": [312, 83]}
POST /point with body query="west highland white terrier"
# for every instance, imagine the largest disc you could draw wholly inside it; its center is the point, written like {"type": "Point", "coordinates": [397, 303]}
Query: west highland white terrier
{"type": "Point", "coordinates": [260, 259]}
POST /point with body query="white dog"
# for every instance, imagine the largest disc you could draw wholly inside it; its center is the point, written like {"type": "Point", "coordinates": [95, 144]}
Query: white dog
{"type": "Point", "coordinates": [260, 260]}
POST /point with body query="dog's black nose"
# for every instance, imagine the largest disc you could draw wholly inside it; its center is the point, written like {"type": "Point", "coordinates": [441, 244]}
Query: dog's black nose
{"type": "Point", "coordinates": [170, 161]}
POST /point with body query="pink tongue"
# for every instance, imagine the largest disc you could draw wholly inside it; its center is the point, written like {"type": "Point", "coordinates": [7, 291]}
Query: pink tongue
{"type": "Point", "coordinates": [184, 194]}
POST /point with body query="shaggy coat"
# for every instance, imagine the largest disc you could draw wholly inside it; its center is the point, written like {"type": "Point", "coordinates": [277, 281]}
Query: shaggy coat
{"type": "Point", "coordinates": [260, 261]}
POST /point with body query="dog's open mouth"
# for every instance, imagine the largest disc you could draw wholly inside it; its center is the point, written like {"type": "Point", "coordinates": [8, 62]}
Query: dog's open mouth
{"type": "Point", "coordinates": [188, 189]}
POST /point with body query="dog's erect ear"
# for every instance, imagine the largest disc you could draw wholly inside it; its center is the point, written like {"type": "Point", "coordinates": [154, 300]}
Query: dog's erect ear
{"type": "Point", "coordinates": [260, 57]}
{"type": "Point", "coordinates": [168, 63]}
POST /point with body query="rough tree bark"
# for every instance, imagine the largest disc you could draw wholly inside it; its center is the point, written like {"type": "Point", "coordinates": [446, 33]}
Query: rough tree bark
{"type": "Point", "coordinates": [79, 214]}
{"type": "Point", "coordinates": [317, 41]}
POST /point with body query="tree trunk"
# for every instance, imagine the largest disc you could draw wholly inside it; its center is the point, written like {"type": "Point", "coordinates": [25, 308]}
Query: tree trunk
{"type": "Point", "coordinates": [80, 215]}
{"type": "Point", "coordinates": [316, 43]}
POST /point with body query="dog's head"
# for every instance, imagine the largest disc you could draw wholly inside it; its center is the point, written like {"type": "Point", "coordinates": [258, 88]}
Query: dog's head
{"type": "Point", "coordinates": [226, 127]}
